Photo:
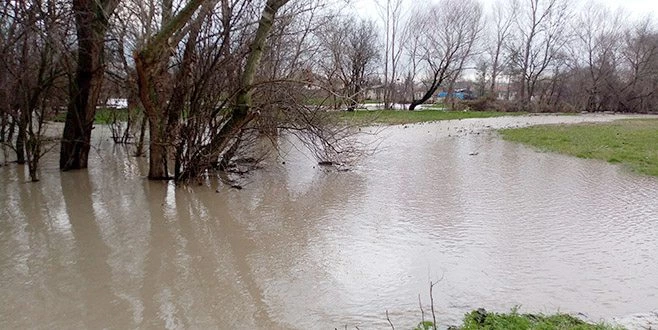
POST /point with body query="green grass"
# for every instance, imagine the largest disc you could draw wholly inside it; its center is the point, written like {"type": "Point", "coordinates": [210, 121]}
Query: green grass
{"type": "Point", "coordinates": [397, 117]}
{"type": "Point", "coordinates": [107, 116]}
{"type": "Point", "coordinates": [632, 143]}
{"type": "Point", "coordinates": [483, 320]}
{"type": "Point", "coordinates": [103, 116]}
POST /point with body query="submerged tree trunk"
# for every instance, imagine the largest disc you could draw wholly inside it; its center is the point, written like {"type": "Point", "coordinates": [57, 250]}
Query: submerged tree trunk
{"type": "Point", "coordinates": [152, 77]}
{"type": "Point", "coordinates": [34, 155]}
{"type": "Point", "coordinates": [158, 151]}
{"type": "Point", "coordinates": [21, 138]}
{"type": "Point", "coordinates": [241, 114]}
{"type": "Point", "coordinates": [139, 146]}
{"type": "Point", "coordinates": [91, 18]}
{"type": "Point", "coordinates": [23, 120]}
{"type": "Point", "coordinates": [3, 125]}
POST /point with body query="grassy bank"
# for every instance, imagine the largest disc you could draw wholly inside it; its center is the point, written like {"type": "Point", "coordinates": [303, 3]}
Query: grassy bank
{"type": "Point", "coordinates": [103, 115]}
{"type": "Point", "coordinates": [361, 117]}
{"type": "Point", "coordinates": [483, 320]}
{"type": "Point", "coordinates": [397, 117]}
{"type": "Point", "coordinates": [632, 143]}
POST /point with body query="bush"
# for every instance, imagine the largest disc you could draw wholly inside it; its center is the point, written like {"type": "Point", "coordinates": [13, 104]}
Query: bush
{"type": "Point", "coordinates": [490, 104]}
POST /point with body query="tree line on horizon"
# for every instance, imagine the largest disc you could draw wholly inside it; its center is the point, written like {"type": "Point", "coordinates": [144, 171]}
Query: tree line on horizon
{"type": "Point", "coordinates": [208, 79]}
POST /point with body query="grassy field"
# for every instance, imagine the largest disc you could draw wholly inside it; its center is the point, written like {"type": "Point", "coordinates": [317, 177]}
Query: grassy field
{"type": "Point", "coordinates": [633, 143]}
{"type": "Point", "coordinates": [397, 117]}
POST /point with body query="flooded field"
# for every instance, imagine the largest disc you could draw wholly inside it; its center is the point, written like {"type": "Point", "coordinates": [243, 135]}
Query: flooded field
{"type": "Point", "coordinates": [496, 224]}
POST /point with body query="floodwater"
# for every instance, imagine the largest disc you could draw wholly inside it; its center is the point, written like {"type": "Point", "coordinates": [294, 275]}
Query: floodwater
{"type": "Point", "coordinates": [495, 224]}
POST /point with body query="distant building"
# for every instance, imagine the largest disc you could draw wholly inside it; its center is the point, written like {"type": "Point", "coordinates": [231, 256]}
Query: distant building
{"type": "Point", "coordinates": [117, 103]}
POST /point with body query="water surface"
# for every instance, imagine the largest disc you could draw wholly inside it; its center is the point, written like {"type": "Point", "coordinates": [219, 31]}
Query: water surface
{"type": "Point", "coordinates": [496, 224]}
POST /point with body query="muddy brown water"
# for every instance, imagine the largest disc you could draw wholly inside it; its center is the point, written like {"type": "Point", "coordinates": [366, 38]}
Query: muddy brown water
{"type": "Point", "coordinates": [305, 247]}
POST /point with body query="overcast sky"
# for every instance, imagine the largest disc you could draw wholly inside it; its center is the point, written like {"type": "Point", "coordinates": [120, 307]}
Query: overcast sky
{"type": "Point", "coordinates": [636, 8]}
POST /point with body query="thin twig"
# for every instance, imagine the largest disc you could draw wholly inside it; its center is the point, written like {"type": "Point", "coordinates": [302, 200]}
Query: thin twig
{"type": "Point", "coordinates": [422, 312]}
{"type": "Point", "coordinates": [389, 320]}
{"type": "Point", "coordinates": [432, 304]}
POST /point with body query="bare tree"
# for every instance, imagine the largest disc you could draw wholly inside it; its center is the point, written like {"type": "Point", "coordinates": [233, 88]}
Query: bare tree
{"type": "Point", "coordinates": [450, 30]}
{"type": "Point", "coordinates": [133, 23]}
{"type": "Point", "coordinates": [362, 53]}
{"type": "Point", "coordinates": [164, 113]}
{"type": "Point", "coordinates": [639, 69]}
{"type": "Point", "coordinates": [503, 14]}
{"type": "Point", "coordinates": [413, 47]}
{"type": "Point", "coordinates": [276, 104]}
{"type": "Point", "coordinates": [91, 18]}
{"type": "Point", "coordinates": [593, 52]}
{"type": "Point", "coordinates": [541, 34]}
{"type": "Point", "coordinates": [152, 62]}
{"type": "Point", "coordinates": [391, 13]}
{"type": "Point", "coordinates": [35, 64]}
{"type": "Point", "coordinates": [331, 66]}
{"type": "Point", "coordinates": [350, 47]}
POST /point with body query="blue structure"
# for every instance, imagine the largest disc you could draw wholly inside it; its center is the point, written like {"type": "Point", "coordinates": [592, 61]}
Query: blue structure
{"type": "Point", "coordinates": [461, 94]}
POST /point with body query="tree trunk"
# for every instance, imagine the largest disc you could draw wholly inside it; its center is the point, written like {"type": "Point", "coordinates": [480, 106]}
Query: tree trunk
{"type": "Point", "coordinates": [20, 142]}
{"type": "Point", "coordinates": [428, 95]}
{"type": "Point", "coordinates": [91, 24]}
{"type": "Point", "coordinates": [240, 114]}
{"type": "Point", "coordinates": [83, 94]}
{"type": "Point", "coordinates": [152, 79]}
{"type": "Point", "coordinates": [33, 155]}
{"type": "Point", "coordinates": [21, 137]}
{"type": "Point", "coordinates": [158, 152]}
{"type": "Point", "coordinates": [139, 147]}
{"type": "Point", "coordinates": [354, 102]}
{"type": "Point", "coordinates": [414, 103]}
{"type": "Point", "coordinates": [3, 126]}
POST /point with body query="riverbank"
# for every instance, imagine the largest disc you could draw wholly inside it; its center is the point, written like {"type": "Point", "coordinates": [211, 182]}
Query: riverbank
{"type": "Point", "coordinates": [631, 143]}
{"type": "Point", "coordinates": [482, 320]}
{"type": "Point", "coordinates": [400, 117]}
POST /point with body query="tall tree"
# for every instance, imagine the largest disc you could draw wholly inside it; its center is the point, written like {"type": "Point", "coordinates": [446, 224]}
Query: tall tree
{"type": "Point", "coordinates": [391, 13]}
{"type": "Point", "coordinates": [503, 14]}
{"type": "Point", "coordinates": [164, 100]}
{"type": "Point", "coordinates": [91, 20]}
{"type": "Point", "coordinates": [34, 66]}
{"type": "Point", "coordinates": [639, 69]}
{"type": "Point", "coordinates": [450, 30]}
{"type": "Point", "coordinates": [349, 53]}
{"type": "Point", "coordinates": [598, 35]}
{"type": "Point", "coordinates": [153, 78]}
{"type": "Point", "coordinates": [541, 29]}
